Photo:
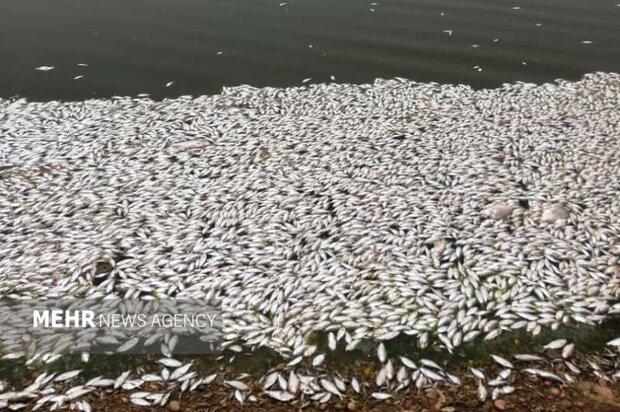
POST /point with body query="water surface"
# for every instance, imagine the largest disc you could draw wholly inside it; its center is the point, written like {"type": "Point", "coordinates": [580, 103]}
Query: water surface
{"type": "Point", "coordinates": [138, 46]}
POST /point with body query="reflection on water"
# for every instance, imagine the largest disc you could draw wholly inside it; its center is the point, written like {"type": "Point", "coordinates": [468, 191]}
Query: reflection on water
{"type": "Point", "coordinates": [200, 45]}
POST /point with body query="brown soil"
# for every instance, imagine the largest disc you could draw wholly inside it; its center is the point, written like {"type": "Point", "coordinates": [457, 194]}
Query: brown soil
{"type": "Point", "coordinates": [532, 394]}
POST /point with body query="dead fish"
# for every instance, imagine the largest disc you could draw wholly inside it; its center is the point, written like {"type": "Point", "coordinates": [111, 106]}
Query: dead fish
{"type": "Point", "coordinates": [121, 379]}
{"type": "Point", "coordinates": [340, 384]}
{"type": "Point", "coordinates": [381, 353]}
{"type": "Point", "coordinates": [505, 363]}
{"type": "Point", "coordinates": [355, 385]}
{"type": "Point", "coordinates": [139, 401]}
{"type": "Point", "coordinates": [209, 379]}
{"type": "Point", "coordinates": [270, 380]}
{"type": "Point", "coordinates": [330, 387]}
{"type": "Point", "coordinates": [180, 371]}
{"type": "Point", "coordinates": [169, 362]}
{"type": "Point", "coordinates": [482, 392]}
{"type": "Point", "coordinates": [128, 345]}
{"type": "Point", "coordinates": [67, 375]}
{"type": "Point", "coordinates": [505, 373]}
{"type": "Point", "coordinates": [381, 395]}
{"type": "Point", "coordinates": [295, 361]}
{"type": "Point", "coordinates": [528, 358]}
{"type": "Point", "coordinates": [408, 362]}
{"type": "Point", "coordinates": [454, 379]}
{"type": "Point", "coordinates": [477, 373]}
{"type": "Point", "coordinates": [430, 364]}
{"type": "Point", "coordinates": [293, 382]}
{"type": "Point", "coordinates": [381, 377]}
{"type": "Point", "coordinates": [615, 342]}
{"type": "Point", "coordinates": [318, 360]}
{"type": "Point", "coordinates": [430, 374]}
{"type": "Point", "coordinates": [331, 341]}
{"type": "Point", "coordinates": [100, 382]}
{"type": "Point", "coordinates": [555, 344]}
{"type": "Point", "coordinates": [543, 374]}
{"type": "Point", "coordinates": [237, 385]}
{"type": "Point", "coordinates": [504, 390]}
{"type": "Point", "coordinates": [280, 395]}
{"type": "Point", "coordinates": [572, 367]}
{"type": "Point", "coordinates": [568, 351]}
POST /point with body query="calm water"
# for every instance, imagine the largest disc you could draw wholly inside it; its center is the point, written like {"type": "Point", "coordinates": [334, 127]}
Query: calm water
{"type": "Point", "coordinates": [138, 46]}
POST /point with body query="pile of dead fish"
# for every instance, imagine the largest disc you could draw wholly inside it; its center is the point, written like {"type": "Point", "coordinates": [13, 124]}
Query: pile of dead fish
{"type": "Point", "coordinates": [304, 386]}
{"type": "Point", "coordinates": [436, 212]}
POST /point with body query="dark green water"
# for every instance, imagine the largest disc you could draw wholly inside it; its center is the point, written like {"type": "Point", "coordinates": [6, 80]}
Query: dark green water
{"type": "Point", "coordinates": [137, 46]}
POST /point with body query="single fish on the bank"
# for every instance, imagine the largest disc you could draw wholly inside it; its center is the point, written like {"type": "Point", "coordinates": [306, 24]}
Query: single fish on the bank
{"type": "Point", "coordinates": [408, 362]}
{"type": "Point", "coordinates": [555, 344]}
{"type": "Point", "coordinates": [482, 392]}
{"type": "Point", "coordinates": [525, 357]}
{"type": "Point", "coordinates": [355, 385]}
{"type": "Point", "coordinates": [67, 375]}
{"type": "Point", "coordinates": [381, 353]}
{"type": "Point", "coordinates": [280, 395]}
{"type": "Point", "coordinates": [270, 380]}
{"type": "Point", "coordinates": [568, 351]}
{"type": "Point", "coordinates": [381, 395]}
{"type": "Point", "coordinates": [544, 374]}
{"type": "Point", "coordinates": [614, 342]}
{"type": "Point", "coordinates": [237, 385]}
{"type": "Point", "coordinates": [504, 362]}
{"type": "Point", "coordinates": [169, 362]}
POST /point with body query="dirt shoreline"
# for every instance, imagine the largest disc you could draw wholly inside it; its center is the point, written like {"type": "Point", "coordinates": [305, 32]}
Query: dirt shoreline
{"type": "Point", "coordinates": [592, 390]}
{"type": "Point", "coordinates": [532, 394]}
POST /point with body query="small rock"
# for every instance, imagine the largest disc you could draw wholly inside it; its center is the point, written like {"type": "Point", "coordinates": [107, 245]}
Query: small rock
{"type": "Point", "coordinates": [597, 392]}
{"type": "Point", "coordinates": [437, 396]}
{"type": "Point", "coordinates": [440, 246]}
{"type": "Point", "coordinates": [175, 406]}
{"type": "Point", "coordinates": [499, 210]}
{"type": "Point", "coordinates": [603, 392]}
{"type": "Point", "coordinates": [553, 212]}
{"type": "Point", "coordinates": [500, 404]}
{"type": "Point", "coordinates": [352, 406]}
{"type": "Point", "coordinates": [554, 391]}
